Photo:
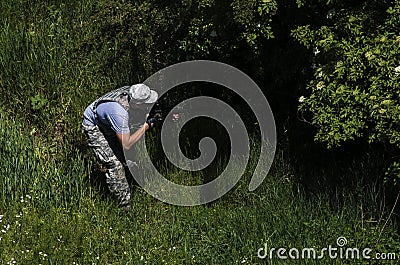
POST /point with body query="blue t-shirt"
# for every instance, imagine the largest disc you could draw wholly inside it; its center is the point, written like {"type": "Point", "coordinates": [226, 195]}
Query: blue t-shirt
{"type": "Point", "coordinates": [111, 115]}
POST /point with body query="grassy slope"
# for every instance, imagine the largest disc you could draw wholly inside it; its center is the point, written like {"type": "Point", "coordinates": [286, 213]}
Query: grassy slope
{"type": "Point", "coordinates": [53, 216]}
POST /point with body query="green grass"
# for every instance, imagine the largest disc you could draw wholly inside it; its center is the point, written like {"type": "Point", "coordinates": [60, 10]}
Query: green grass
{"type": "Point", "coordinates": [51, 214]}
{"type": "Point", "coordinates": [56, 217]}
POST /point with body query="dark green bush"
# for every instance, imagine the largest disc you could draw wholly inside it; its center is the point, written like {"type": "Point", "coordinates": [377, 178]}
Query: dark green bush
{"type": "Point", "coordinates": [355, 89]}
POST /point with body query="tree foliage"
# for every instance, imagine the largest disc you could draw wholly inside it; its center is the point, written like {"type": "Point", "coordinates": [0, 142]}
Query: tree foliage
{"type": "Point", "coordinates": [355, 89]}
{"type": "Point", "coordinates": [149, 35]}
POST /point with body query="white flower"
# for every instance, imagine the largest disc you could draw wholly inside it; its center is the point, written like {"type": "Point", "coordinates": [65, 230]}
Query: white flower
{"type": "Point", "coordinates": [141, 258]}
{"type": "Point", "coordinates": [12, 261]}
{"type": "Point", "coordinates": [397, 69]}
{"type": "Point", "coordinates": [320, 85]}
{"type": "Point", "coordinates": [301, 99]}
{"type": "Point", "coordinates": [4, 231]}
{"type": "Point", "coordinates": [1, 216]}
{"type": "Point", "coordinates": [316, 51]}
{"type": "Point", "coordinates": [320, 74]}
{"type": "Point", "coordinates": [331, 13]}
{"type": "Point", "coordinates": [244, 261]}
{"type": "Point", "coordinates": [28, 196]}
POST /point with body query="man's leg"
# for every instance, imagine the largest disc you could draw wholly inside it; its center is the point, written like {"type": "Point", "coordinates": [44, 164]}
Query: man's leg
{"type": "Point", "coordinates": [115, 176]}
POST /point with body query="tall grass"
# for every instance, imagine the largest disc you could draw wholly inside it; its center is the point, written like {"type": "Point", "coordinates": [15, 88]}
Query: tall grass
{"type": "Point", "coordinates": [28, 168]}
{"type": "Point", "coordinates": [52, 215]}
{"type": "Point", "coordinates": [43, 79]}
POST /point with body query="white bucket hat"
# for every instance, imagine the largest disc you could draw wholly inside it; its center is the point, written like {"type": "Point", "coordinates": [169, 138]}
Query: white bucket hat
{"type": "Point", "coordinates": [140, 93]}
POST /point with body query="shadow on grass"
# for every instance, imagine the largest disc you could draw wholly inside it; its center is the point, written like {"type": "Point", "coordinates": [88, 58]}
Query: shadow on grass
{"type": "Point", "coordinates": [349, 168]}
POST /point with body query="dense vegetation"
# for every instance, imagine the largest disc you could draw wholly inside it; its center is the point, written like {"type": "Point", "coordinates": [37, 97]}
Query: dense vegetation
{"type": "Point", "coordinates": [340, 59]}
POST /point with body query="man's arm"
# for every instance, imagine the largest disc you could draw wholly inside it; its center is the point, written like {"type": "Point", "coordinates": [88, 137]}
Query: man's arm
{"type": "Point", "coordinates": [127, 140]}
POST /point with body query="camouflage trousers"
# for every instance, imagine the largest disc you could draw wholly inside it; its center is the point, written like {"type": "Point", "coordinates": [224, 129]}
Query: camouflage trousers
{"type": "Point", "coordinates": [109, 153]}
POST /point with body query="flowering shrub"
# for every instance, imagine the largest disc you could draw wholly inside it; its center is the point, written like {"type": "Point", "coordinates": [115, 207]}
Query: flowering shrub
{"type": "Point", "coordinates": [355, 91]}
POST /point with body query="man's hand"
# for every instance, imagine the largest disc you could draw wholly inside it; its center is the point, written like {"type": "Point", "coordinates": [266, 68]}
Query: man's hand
{"type": "Point", "coordinates": [150, 122]}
